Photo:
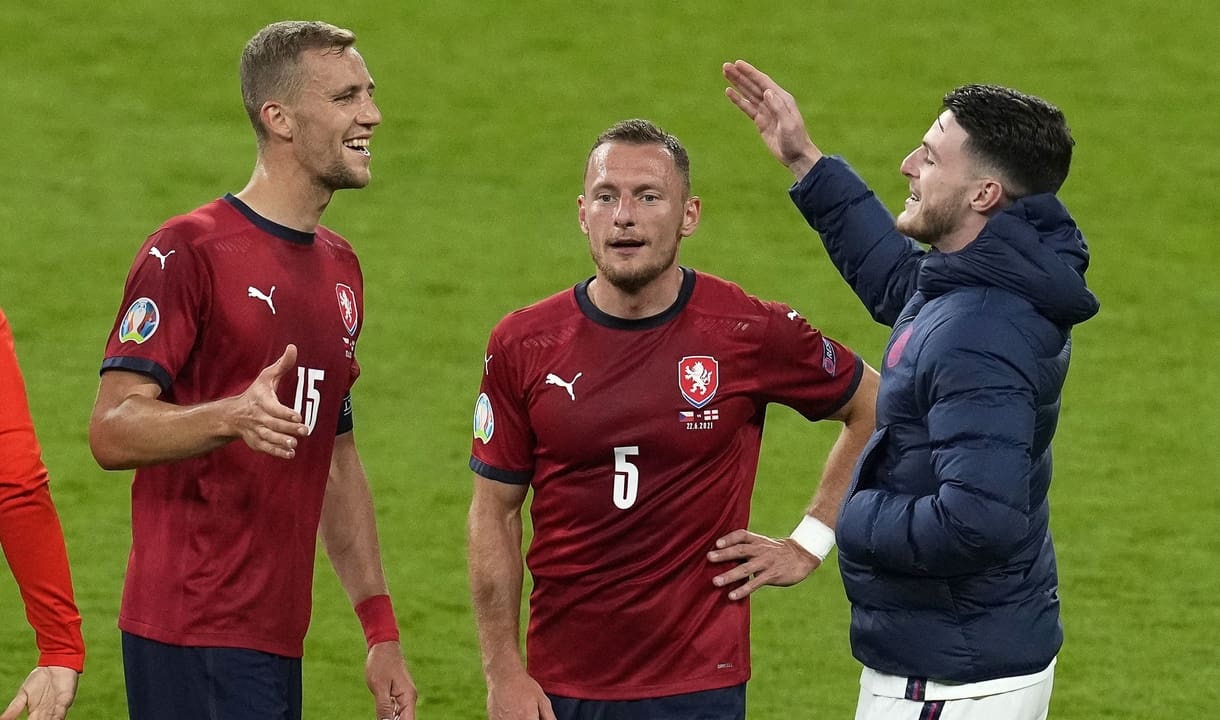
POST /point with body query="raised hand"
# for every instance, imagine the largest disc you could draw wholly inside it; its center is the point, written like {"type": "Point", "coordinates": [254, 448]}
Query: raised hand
{"type": "Point", "coordinates": [774, 113]}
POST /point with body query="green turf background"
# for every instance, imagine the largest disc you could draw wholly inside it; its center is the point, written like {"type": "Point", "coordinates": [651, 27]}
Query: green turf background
{"type": "Point", "coordinates": [119, 115]}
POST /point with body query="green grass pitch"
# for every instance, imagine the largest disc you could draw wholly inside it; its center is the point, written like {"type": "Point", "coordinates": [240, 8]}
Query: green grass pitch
{"type": "Point", "coordinates": [120, 115]}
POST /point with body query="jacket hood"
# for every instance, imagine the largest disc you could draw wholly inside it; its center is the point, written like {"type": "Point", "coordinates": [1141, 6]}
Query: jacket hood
{"type": "Point", "coordinates": [1033, 249]}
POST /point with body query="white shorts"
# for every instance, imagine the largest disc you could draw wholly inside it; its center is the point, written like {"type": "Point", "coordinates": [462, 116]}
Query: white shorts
{"type": "Point", "coordinates": [1027, 703]}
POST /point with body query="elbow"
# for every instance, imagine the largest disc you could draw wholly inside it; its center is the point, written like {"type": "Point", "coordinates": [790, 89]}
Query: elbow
{"type": "Point", "coordinates": [106, 451]}
{"type": "Point", "coordinates": [998, 540]}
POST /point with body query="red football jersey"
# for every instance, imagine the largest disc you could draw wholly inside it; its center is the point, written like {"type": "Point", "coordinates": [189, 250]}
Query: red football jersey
{"type": "Point", "coordinates": [641, 441]}
{"type": "Point", "coordinates": [223, 544]}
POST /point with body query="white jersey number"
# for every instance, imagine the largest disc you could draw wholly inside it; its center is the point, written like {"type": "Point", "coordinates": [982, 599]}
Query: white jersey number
{"type": "Point", "coordinates": [626, 476]}
{"type": "Point", "coordinates": [308, 395]}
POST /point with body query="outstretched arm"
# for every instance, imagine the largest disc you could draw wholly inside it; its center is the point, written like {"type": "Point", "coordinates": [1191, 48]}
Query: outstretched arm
{"type": "Point", "coordinates": [127, 406]}
{"type": "Point", "coordinates": [496, 577]}
{"type": "Point", "coordinates": [787, 561]}
{"type": "Point", "coordinates": [349, 533]}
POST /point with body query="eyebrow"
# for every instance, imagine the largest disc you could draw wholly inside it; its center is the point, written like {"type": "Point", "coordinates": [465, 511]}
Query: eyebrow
{"type": "Point", "coordinates": [353, 88]}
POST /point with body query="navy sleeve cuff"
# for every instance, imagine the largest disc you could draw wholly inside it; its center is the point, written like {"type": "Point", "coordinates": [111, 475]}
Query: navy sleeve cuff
{"type": "Point", "coordinates": [494, 473]}
{"type": "Point", "coordinates": [143, 366]}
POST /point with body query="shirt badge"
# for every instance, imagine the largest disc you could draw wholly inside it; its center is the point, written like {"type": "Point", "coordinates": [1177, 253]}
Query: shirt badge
{"type": "Point", "coordinates": [140, 321]}
{"type": "Point", "coordinates": [484, 419]}
{"type": "Point", "coordinates": [698, 379]}
{"type": "Point", "coordinates": [347, 307]}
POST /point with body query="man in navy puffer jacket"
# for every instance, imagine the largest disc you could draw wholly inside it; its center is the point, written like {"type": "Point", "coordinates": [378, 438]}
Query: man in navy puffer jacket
{"type": "Point", "coordinates": [944, 544]}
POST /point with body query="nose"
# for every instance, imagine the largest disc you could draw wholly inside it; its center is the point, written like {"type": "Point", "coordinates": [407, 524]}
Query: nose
{"type": "Point", "coordinates": [624, 212]}
{"type": "Point", "coordinates": [910, 164]}
{"type": "Point", "coordinates": [370, 114]}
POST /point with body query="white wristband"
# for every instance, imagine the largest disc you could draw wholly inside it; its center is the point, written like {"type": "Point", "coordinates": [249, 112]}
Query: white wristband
{"type": "Point", "coordinates": [815, 536]}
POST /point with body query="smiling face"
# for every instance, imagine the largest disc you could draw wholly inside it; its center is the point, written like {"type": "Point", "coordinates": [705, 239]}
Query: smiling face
{"type": "Point", "coordinates": [332, 118]}
{"type": "Point", "coordinates": [944, 182]}
{"type": "Point", "coordinates": [635, 210]}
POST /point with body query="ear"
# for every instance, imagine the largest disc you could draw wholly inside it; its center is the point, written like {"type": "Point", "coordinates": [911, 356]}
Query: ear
{"type": "Point", "coordinates": [690, 215]}
{"type": "Point", "coordinates": [988, 196]}
{"type": "Point", "coordinates": [580, 214]}
{"type": "Point", "coordinates": [277, 121]}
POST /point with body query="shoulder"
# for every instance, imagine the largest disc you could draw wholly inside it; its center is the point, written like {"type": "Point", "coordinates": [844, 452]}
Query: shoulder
{"type": "Point", "coordinates": [981, 323]}
{"type": "Point", "coordinates": [192, 231]}
{"type": "Point", "coordinates": [333, 240]}
{"type": "Point", "coordinates": [726, 304]}
{"type": "Point", "coordinates": [553, 316]}
{"type": "Point", "coordinates": [716, 296]}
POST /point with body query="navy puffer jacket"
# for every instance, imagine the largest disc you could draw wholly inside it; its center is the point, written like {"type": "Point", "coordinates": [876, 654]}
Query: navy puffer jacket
{"type": "Point", "coordinates": [944, 544]}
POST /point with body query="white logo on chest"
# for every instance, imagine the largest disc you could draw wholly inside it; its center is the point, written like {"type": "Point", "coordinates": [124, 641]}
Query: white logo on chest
{"type": "Point", "coordinates": [256, 293]}
{"type": "Point", "coordinates": [553, 379]}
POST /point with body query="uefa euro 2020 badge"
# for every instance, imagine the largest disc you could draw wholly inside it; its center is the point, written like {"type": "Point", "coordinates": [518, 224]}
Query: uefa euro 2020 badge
{"type": "Point", "coordinates": [484, 419]}
{"type": "Point", "coordinates": [140, 321]}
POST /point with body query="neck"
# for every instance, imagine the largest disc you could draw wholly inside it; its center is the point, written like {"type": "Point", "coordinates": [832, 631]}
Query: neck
{"type": "Point", "coordinates": [652, 299]}
{"type": "Point", "coordinates": [285, 197]}
{"type": "Point", "coordinates": [963, 236]}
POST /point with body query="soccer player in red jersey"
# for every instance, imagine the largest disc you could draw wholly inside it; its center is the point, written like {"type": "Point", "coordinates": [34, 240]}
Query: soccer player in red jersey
{"type": "Point", "coordinates": [33, 542]}
{"type": "Point", "coordinates": [226, 384]}
{"type": "Point", "coordinates": [633, 405]}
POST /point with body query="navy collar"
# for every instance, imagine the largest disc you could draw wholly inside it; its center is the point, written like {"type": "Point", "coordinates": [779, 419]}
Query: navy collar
{"type": "Point", "coordinates": [592, 312]}
{"type": "Point", "coordinates": [270, 227]}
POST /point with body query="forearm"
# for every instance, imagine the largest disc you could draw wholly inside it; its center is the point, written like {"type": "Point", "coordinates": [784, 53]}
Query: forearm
{"type": "Point", "coordinates": [859, 418]}
{"type": "Point", "coordinates": [954, 532]}
{"type": "Point", "coordinates": [33, 543]}
{"type": "Point", "coordinates": [837, 474]}
{"type": "Point", "coordinates": [120, 435]}
{"type": "Point", "coordinates": [496, 581]}
{"type": "Point", "coordinates": [349, 526]}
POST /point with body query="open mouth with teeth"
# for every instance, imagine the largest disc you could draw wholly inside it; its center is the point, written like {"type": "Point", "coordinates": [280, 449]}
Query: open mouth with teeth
{"type": "Point", "coordinates": [360, 145]}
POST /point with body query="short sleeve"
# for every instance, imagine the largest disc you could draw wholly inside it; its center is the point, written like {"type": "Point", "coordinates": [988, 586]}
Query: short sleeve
{"type": "Point", "coordinates": [164, 302]}
{"type": "Point", "coordinates": [503, 445]}
{"type": "Point", "coordinates": [802, 368]}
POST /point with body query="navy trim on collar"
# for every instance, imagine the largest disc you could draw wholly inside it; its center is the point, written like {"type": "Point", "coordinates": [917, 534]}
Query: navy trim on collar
{"type": "Point", "coordinates": [282, 232]}
{"type": "Point", "coordinates": [592, 312]}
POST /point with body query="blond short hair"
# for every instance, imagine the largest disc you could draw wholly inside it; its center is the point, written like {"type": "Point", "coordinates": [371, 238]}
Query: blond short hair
{"type": "Point", "coordinates": [270, 62]}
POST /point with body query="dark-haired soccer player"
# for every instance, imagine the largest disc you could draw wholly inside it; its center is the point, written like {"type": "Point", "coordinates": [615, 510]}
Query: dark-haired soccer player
{"type": "Point", "coordinates": [226, 383]}
{"type": "Point", "coordinates": [944, 541]}
{"type": "Point", "coordinates": [633, 405]}
{"type": "Point", "coordinates": [33, 543]}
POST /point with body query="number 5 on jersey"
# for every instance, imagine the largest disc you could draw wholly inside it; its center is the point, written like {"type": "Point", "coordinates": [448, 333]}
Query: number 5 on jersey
{"type": "Point", "coordinates": [626, 476]}
{"type": "Point", "coordinates": [308, 395]}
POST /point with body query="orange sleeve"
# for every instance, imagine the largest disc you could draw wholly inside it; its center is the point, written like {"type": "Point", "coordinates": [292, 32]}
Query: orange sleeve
{"type": "Point", "coordinates": [30, 533]}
